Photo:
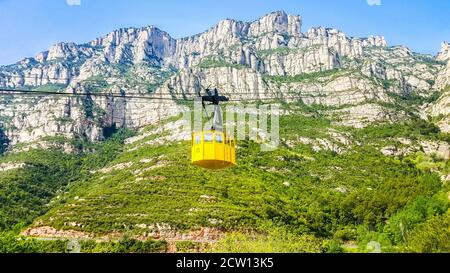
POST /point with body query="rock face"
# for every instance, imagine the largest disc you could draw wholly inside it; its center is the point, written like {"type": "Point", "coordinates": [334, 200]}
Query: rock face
{"type": "Point", "coordinates": [443, 78]}
{"type": "Point", "coordinates": [136, 46]}
{"type": "Point", "coordinates": [270, 57]}
{"type": "Point", "coordinates": [444, 54]}
{"type": "Point", "coordinates": [440, 110]}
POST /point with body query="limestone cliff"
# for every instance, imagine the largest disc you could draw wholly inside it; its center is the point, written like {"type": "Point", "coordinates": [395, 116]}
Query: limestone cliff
{"type": "Point", "coordinates": [270, 57]}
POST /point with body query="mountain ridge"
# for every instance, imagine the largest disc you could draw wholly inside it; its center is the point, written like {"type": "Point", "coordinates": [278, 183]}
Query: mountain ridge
{"type": "Point", "coordinates": [263, 58]}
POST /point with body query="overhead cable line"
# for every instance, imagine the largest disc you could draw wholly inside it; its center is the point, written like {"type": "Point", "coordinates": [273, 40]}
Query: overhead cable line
{"type": "Point", "coordinates": [119, 80]}
{"type": "Point", "coordinates": [13, 92]}
{"type": "Point", "coordinates": [55, 93]}
{"type": "Point", "coordinates": [72, 79]}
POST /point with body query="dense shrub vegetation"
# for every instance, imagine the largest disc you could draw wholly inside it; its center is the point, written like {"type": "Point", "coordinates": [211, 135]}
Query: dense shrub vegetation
{"type": "Point", "coordinates": [25, 192]}
{"type": "Point", "coordinates": [294, 199]}
{"type": "Point", "coordinates": [125, 245]}
{"type": "Point", "coordinates": [11, 242]}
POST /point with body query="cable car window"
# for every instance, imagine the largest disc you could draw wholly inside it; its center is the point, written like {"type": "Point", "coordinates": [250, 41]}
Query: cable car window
{"type": "Point", "coordinates": [208, 138]}
{"type": "Point", "coordinates": [218, 138]}
{"type": "Point", "coordinates": [198, 139]}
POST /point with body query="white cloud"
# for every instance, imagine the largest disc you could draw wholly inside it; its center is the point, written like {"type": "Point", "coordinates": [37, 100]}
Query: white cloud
{"type": "Point", "coordinates": [374, 2]}
{"type": "Point", "coordinates": [73, 2]}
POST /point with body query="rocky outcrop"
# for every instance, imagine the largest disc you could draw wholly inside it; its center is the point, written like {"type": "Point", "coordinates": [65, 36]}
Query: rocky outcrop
{"type": "Point", "coordinates": [239, 82]}
{"type": "Point", "coordinates": [444, 54]}
{"type": "Point", "coordinates": [10, 166]}
{"type": "Point", "coordinates": [440, 109]}
{"type": "Point", "coordinates": [360, 116]}
{"type": "Point", "coordinates": [294, 62]}
{"type": "Point", "coordinates": [50, 232]}
{"type": "Point", "coordinates": [131, 45]}
{"type": "Point", "coordinates": [156, 232]}
{"type": "Point", "coordinates": [440, 149]}
{"type": "Point", "coordinates": [66, 51]}
{"type": "Point", "coordinates": [403, 147]}
{"type": "Point", "coordinates": [277, 21]}
{"type": "Point", "coordinates": [443, 78]}
{"type": "Point", "coordinates": [344, 45]}
{"type": "Point", "coordinates": [401, 71]}
{"type": "Point", "coordinates": [27, 120]}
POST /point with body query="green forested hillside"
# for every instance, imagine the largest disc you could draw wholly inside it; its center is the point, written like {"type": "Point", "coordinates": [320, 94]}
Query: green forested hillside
{"type": "Point", "coordinates": [294, 199]}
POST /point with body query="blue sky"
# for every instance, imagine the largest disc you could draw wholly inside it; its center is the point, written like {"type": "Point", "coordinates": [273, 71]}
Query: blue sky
{"type": "Point", "coordinates": [30, 26]}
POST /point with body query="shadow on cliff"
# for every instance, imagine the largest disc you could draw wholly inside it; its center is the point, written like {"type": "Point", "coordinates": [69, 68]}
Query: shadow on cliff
{"type": "Point", "coordinates": [109, 131]}
{"type": "Point", "coordinates": [4, 141]}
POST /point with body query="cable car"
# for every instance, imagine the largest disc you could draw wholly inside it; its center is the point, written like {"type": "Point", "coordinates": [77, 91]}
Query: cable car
{"type": "Point", "coordinates": [213, 149]}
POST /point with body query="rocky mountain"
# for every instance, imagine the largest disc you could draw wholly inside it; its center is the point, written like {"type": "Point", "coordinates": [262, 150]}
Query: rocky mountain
{"type": "Point", "coordinates": [440, 109]}
{"type": "Point", "coordinates": [363, 156]}
{"type": "Point", "coordinates": [270, 57]}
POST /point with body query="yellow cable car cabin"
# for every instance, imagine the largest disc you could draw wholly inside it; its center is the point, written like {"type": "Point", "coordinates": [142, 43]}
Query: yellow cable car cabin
{"type": "Point", "coordinates": [213, 149]}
